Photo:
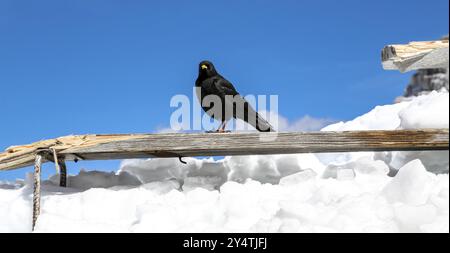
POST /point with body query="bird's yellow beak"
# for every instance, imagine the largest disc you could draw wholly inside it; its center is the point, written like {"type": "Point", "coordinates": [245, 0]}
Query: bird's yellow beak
{"type": "Point", "coordinates": [204, 66]}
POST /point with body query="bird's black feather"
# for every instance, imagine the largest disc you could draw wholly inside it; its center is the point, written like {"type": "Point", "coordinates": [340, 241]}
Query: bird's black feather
{"type": "Point", "coordinates": [212, 83]}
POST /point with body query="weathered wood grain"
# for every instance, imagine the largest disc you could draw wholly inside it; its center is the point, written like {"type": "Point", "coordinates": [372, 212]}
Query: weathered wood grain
{"type": "Point", "coordinates": [123, 146]}
{"type": "Point", "coordinates": [36, 190]}
{"type": "Point", "coordinates": [62, 172]}
{"type": "Point", "coordinates": [416, 55]}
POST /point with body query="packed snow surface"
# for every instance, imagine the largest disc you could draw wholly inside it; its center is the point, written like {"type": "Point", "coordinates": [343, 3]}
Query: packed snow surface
{"type": "Point", "coordinates": [351, 192]}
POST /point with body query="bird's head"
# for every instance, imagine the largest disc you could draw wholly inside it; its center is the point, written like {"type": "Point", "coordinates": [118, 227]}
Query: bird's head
{"type": "Point", "coordinates": [206, 68]}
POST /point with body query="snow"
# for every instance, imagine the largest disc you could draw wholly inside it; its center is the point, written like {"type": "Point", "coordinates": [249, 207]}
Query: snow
{"type": "Point", "coordinates": [412, 185]}
{"type": "Point", "coordinates": [434, 108]}
{"type": "Point", "coordinates": [353, 192]}
{"type": "Point", "coordinates": [298, 177]}
{"type": "Point", "coordinates": [427, 111]}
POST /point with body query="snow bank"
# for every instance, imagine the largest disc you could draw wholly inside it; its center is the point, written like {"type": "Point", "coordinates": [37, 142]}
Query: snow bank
{"type": "Point", "coordinates": [427, 111]}
{"type": "Point", "coordinates": [278, 193]}
{"type": "Point", "coordinates": [415, 200]}
{"type": "Point", "coordinates": [430, 111]}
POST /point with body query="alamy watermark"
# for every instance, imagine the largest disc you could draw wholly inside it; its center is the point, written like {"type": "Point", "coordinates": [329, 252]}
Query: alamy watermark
{"type": "Point", "coordinates": [253, 111]}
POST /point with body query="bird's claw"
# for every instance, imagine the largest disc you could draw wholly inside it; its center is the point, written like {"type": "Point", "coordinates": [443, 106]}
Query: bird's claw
{"type": "Point", "coordinates": [218, 131]}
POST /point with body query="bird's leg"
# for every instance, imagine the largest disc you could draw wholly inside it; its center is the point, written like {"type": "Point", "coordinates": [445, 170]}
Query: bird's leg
{"type": "Point", "coordinates": [222, 127]}
{"type": "Point", "coordinates": [218, 129]}
{"type": "Point", "coordinates": [224, 124]}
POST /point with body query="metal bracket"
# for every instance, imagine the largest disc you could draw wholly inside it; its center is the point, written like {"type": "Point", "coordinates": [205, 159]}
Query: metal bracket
{"type": "Point", "coordinates": [181, 160]}
{"type": "Point", "coordinates": [61, 168]}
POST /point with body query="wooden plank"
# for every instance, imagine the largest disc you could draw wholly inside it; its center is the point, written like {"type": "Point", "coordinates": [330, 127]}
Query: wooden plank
{"type": "Point", "coordinates": [123, 146]}
{"type": "Point", "coordinates": [416, 55]}
{"type": "Point", "coordinates": [23, 155]}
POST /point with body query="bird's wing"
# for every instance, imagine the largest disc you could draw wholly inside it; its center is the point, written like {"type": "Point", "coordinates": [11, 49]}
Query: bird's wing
{"type": "Point", "coordinates": [247, 113]}
{"type": "Point", "coordinates": [252, 117]}
{"type": "Point", "coordinates": [224, 87]}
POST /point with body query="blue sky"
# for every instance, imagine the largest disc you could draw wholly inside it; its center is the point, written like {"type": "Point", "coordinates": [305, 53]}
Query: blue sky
{"type": "Point", "coordinates": [76, 67]}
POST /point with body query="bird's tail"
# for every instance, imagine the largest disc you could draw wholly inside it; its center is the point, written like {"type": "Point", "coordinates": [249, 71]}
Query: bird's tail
{"type": "Point", "coordinates": [253, 118]}
{"type": "Point", "coordinates": [262, 125]}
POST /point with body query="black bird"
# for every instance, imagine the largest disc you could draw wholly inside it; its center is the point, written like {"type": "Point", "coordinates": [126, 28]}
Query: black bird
{"type": "Point", "coordinates": [232, 103]}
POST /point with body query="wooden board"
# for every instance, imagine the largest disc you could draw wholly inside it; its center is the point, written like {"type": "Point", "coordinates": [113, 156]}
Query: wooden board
{"type": "Point", "coordinates": [123, 146]}
{"type": "Point", "coordinates": [416, 55]}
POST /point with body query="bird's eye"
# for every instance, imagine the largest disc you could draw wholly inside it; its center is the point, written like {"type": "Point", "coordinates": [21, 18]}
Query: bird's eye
{"type": "Point", "coordinates": [204, 66]}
